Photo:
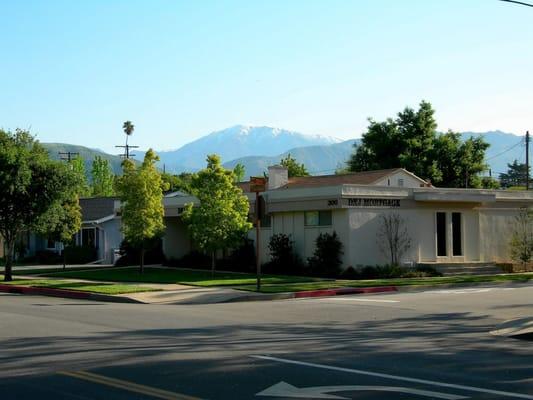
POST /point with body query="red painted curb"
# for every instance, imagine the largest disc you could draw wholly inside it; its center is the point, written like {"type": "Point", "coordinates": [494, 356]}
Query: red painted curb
{"type": "Point", "coordinates": [44, 291]}
{"type": "Point", "coordinates": [342, 291]}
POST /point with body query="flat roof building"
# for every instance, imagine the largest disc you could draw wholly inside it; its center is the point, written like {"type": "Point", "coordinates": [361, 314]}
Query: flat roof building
{"type": "Point", "coordinates": [445, 225]}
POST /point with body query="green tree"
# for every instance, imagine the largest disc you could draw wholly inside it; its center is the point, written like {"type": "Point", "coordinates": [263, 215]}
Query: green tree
{"type": "Point", "coordinates": [220, 220]}
{"type": "Point", "coordinates": [78, 166]}
{"type": "Point", "coordinates": [141, 194]}
{"type": "Point", "coordinates": [32, 185]}
{"type": "Point", "coordinates": [102, 178]}
{"type": "Point", "coordinates": [411, 141]}
{"type": "Point", "coordinates": [294, 168]}
{"type": "Point", "coordinates": [515, 176]}
{"type": "Point", "coordinates": [521, 242]}
{"type": "Point", "coordinates": [240, 172]}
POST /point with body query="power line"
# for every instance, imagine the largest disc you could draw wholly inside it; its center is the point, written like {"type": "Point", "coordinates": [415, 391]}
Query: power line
{"type": "Point", "coordinates": [518, 2]}
{"type": "Point", "coordinates": [505, 151]}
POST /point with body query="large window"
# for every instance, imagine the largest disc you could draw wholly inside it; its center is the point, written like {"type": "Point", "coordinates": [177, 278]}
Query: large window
{"type": "Point", "coordinates": [457, 237]}
{"type": "Point", "coordinates": [441, 234]}
{"type": "Point", "coordinates": [318, 218]}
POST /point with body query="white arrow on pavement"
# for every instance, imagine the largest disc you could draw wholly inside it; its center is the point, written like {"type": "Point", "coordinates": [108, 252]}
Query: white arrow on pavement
{"type": "Point", "coordinates": [283, 389]}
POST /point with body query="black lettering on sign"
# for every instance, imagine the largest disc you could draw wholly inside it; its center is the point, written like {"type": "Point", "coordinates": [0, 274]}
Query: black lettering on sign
{"type": "Point", "coordinates": [373, 203]}
{"type": "Point", "coordinates": [332, 203]}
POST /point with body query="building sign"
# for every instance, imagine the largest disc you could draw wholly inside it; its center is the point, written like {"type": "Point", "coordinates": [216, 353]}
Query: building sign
{"type": "Point", "coordinates": [257, 184]}
{"type": "Point", "coordinates": [373, 202]}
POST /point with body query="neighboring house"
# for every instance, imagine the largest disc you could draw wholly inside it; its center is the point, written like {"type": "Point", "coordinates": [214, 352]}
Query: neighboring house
{"type": "Point", "coordinates": [445, 225]}
{"type": "Point", "coordinates": [101, 227]}
{"type": "Point", "coordinates": [101, 230]}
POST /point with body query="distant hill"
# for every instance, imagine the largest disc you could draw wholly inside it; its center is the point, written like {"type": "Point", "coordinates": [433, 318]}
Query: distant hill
{"type": "Point", "coordinates": [258, 147]}
{"type": "Point", "coordinates": [319, 160]}
{"type": "Point", "coordinates": [236, 142]}
{"type": "Point", "coordinates": [86, 153]}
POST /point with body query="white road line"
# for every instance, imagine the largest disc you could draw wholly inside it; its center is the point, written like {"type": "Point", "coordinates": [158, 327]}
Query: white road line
{"type": "Point", "coordinates": [397, 377]}
{"type": "Point", "coordinates": [367, 300]}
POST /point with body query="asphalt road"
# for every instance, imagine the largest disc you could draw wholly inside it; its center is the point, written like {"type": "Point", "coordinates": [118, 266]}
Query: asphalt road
{"type": "Point", "coordinates": [435, 344]}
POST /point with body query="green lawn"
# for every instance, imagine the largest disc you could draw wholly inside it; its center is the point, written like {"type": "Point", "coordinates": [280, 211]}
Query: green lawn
{"type": "Point", "coordinates": [441, 280]}
{"type": "Point", "coordinates": [42, 271]}
{"type": "Point", "coordinates": [102, 288]}
{"type": "Point", "coordinates": [181, 276]}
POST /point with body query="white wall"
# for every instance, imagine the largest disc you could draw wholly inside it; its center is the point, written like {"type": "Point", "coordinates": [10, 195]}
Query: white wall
{"type": "Point", "coordinates": [409, 181]}
{"type": "Point", "coordinates": [496, 226]}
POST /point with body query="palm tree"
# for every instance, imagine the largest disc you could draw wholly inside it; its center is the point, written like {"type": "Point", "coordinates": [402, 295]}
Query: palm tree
{"type": "Point", "coordinates": [128, 128]}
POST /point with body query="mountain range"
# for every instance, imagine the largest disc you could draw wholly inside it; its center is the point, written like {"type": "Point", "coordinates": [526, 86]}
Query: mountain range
{"type": "Point", "coordinates": [258, 147]}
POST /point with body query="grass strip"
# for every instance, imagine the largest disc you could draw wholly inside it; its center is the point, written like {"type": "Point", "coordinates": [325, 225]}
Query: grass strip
{"type": "Point", "coordinates": [101, 288]}
{"type": "Point", "coordinates": [441, 280]}
{"type": "Point", "coordinates": [179, 276]}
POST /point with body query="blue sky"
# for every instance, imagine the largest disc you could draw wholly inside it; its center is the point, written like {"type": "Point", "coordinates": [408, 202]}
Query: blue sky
{"type": "Point", "coordinates": [73, 71]}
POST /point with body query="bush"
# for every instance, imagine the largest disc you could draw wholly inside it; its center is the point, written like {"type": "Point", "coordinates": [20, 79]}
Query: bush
{"type": "Point", "coordinates": [47, 257]}
{"type": "Point", "coordinates": [388, 272]}
{"type": "Point", "coordinates": [283, 260]}
{"type": "Point", "coordinates": [326, 260]}
{"type": "Point", "coordinates": [131, 255]}
{"type": "Point", "coordinates": [80, 254]}
{"type": "Point", "coordinates": [242, 259]}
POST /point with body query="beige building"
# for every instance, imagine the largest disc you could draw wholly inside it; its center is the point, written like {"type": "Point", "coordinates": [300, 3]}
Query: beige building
{"type": "Point", "coordinates": [445, 225]}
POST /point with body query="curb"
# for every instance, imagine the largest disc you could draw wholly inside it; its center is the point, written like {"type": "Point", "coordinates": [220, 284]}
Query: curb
{"type": "Point", "coordinates": [313, 293]}
{"type": "Point", "coordinates": [65, 293]}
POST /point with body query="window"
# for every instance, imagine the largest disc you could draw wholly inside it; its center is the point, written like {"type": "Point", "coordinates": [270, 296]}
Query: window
{"type": "Point", "coordinates": [457, 245]}
{"type": "Point", "coordinates": [400, 182]}
{"type": "Point", "coordinates": [441, 234]}
{"type": "Point", "coordinates": [318, 218]}
{"type": "Point", "coordinates": [88, 237]}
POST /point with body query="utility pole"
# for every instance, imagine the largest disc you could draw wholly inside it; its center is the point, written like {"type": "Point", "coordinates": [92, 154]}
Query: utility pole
{"type": "Point", "coordinates": [127, 148]}
{"type": "Point", "coordinates": [527, 160]}
{"type": "Point", "coordinates": [67, 155]}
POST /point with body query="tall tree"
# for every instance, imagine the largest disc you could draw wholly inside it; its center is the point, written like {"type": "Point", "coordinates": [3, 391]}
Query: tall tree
{"type": "Point", "coordinates": [102, 177]}
{"type": "Point", "coordinates": [411, 141]}
{"type": "Point", "coordinates": [515, 176]}
{"type": "Point", "coordinates": [221, 219]}
{"type": "Point", "coordinates": [294, 168]}
{"type": "Point", "coordinates": [32, 185]}
{"type": "Point", "coordinates": [78, 166]}
{"type": "Point", "coordinates": [128, 129]}
{"type": "Point", "coordinates": [239, 171]}
{"type": "Point", "coordinates": [141, 194]}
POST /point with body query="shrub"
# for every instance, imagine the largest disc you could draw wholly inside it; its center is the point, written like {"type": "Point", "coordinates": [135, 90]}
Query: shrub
{"type": "Point", "coordinates": [388, 272]}
{"type": "Point", "coordinates": [79, 254]}
{"type": "Point", "coordinates": [242, 259]}
{"type": "Point", "coordinates": [326, 260]}
{"type": "Point", "coordinates": [283, 260]}
{"type": "Point", "coordinates": [521, 242]}
{"type": "Point", "coordinates": [47, 257]}
{"type": "Point", "coordinates": [130, 255]}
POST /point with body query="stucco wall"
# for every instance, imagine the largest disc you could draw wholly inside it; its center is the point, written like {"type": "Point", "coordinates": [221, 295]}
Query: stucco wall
{"type": "Point", "coordinates": [409, 181]}
{"type": "Point", "coordinates": [176, 242]}
{"type": "Point", "coordinates": [496, 227]}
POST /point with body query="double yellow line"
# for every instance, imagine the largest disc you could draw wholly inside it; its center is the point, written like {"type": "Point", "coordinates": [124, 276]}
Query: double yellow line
{"type": "Point", "coordinates": [126, 385]}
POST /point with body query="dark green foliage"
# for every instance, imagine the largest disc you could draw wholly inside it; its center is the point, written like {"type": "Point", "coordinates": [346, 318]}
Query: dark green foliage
{"type": "Point", "coordinates": [489, 183]}
{"type": "Point", "coordinates": [283, 259]}
{"type": "Point", "coordinates": [293, 167]}
{"type": "Point", "coordinates": [515, 176]}
{"type": "Point", "coordinates": [80, 254]}
{"type": "Point", "coordinates": [411, 141]}
{"type": "Point", "coordinates": [130, 254]}
{"type": "Point", "coordinates": [326, 260]}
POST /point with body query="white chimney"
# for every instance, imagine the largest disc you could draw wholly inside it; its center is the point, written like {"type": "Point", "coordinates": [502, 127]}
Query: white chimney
{"type": "Point", "coordinates": [278, 176]}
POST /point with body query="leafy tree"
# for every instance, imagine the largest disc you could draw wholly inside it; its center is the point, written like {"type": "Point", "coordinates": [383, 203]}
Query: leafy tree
{"type": "Point", "coordinates": [522, 238]}
{"type": "Point", "coordinates": [141, 194]}
{"type": "Point", "coordinates": [177, 182]}
{"type": "Point", "coordinates": [294, 168]}
{"type": "Point", "coordinates": [102, 178]}
{"type": "Point", "coordinates": [326, 260]}
{"type": "Point", "coordinates": [515, 176]}
{"type": "Point", "coordinates": [128, 129]}
{"type": "Point", "coordinates": [32, 185]}
{"type": "Point", "coordinates": [488, 182]}
{"type": "Point", "coordinates": [239, 171]}
{"type": "Point", "coordinates": [221, 219]}
{"type": "Point", "coordinates": [78, 166]}
{"type": "Point", "coordinates": [411, 141]}
{"type": "Point", "coordinates": [393, 238]}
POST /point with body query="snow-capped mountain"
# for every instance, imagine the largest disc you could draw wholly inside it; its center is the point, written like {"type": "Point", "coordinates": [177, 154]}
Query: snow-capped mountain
{"type": "Point", "coordinates": [236, 142]}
